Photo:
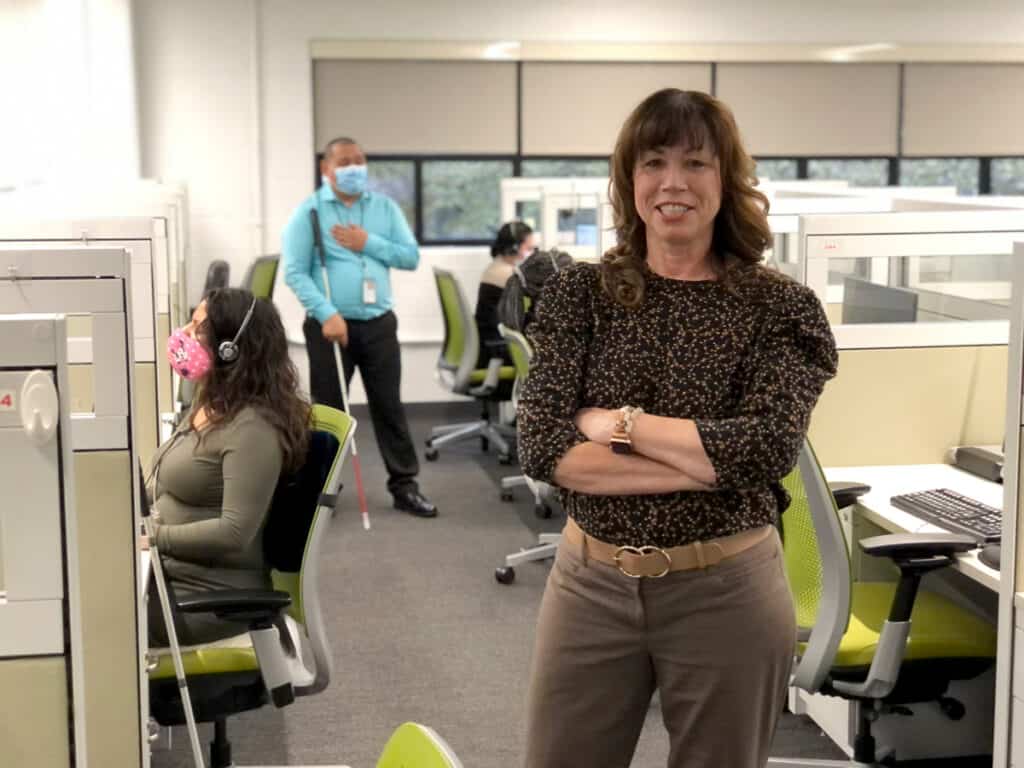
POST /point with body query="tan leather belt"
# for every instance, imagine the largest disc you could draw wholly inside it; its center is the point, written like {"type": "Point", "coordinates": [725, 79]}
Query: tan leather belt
{"type": "Point", "coordinates": [655, 562]}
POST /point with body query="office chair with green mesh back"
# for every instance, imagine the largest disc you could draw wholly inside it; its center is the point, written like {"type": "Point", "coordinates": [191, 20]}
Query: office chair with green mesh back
{"type": "Point", "coordinates": [286, 626]}
{"type": "Point", "coordinates": [880, 645]}
{"type": "Point", "coordinates": [543, 493]}
{"type": "Point", "coordinates": [457, 371]}
{"type": "Point", "coordinates": [259, 278]}
{"type": "Point", "coordinates": [416, 746]}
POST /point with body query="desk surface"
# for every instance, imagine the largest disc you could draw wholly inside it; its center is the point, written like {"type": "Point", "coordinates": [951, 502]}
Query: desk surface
{"type": "Point", "coordinates": [888, 481]}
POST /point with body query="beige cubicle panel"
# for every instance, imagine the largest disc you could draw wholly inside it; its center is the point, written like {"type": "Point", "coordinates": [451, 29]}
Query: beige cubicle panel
{"type": "Point", "coordinates": [34, 712]}
{"type": "Point", "coordinates": [910, 406]}
{"type": "Point", "coordinates": [106, 531]}
{"type": "Point", "coordinates": [165, 390]}
{"type": "Point", "coordinates": [145, 426]}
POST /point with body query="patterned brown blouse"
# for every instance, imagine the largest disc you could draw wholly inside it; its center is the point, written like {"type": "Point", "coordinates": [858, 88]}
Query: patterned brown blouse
{"type": "Point", "coordinates": [746, 366]}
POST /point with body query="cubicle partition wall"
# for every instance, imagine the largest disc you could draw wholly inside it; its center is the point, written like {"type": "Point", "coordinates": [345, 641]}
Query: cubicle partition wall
{"type": "Point", "coordinates": [145, 240]}
{"type": "Point", "coordinates": [571, 214]}
{"type": "Point", "coordinates": [919, 306]}
{"type": "Point", "coordinates": [42, 684]}
{"type": "Point", "coordinates": [97, 478]}
{"type": "Point", "coordinates": [1009, 731]}
{"type": "Point", "coordinates": [145, 198]}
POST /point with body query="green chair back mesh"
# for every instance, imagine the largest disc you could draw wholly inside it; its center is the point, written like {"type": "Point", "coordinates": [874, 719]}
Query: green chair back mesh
{"type": "Point", "coordinates": [415, 746]}
{"type": "Point", "coordinates": [339, 424]}
{"type": "Point", "coordinates": [261, 278]}
{"type": "Point", "coordinates": [800, 551]}
{"type": "Point", "coordinates": [454, 333]}
{"type": "Point", "coordinates": [519, 349]}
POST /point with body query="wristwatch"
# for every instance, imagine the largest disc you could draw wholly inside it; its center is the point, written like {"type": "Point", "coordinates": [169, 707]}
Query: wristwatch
{"type": "Point", "coordinates": [620, 441]}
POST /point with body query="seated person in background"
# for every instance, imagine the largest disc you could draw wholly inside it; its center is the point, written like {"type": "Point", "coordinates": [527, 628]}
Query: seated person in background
{"type": "Point", "coordinates": [211, 483]}
{"type": "Point", "coordinates": [519, 299]}
{"type": "Point", "coordinates": [514, 242]}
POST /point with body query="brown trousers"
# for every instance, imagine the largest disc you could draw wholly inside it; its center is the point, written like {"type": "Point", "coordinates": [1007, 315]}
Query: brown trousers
{"type": "Point", "coordinates": [717, 644]}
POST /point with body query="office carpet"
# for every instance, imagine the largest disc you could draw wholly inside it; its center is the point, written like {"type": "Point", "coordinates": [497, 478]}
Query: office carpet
{"type": "Point", "coordinates": [422, 631]}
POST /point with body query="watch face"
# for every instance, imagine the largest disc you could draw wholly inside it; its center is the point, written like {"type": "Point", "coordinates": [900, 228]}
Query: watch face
{"type": "Point", "coordinates": [620, 444]}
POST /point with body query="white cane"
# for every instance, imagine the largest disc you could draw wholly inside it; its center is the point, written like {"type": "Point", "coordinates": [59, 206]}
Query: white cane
{"type": "Point", "coordinates": [339, 367]}
{"type": "Point", "coordinates": [172, 636]}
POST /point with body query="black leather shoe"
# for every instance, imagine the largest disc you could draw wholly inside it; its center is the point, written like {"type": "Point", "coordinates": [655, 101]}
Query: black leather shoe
{"type": "Point", "coordinates": [415, 503]}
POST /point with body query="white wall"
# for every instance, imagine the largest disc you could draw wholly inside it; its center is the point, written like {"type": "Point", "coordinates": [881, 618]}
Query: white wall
{"type": "Point", "coordinates": [226, 87]}
{"type": "Point", "coordinates": [67, 81]}
{"type": "Point", "coordinates": [198, 82]}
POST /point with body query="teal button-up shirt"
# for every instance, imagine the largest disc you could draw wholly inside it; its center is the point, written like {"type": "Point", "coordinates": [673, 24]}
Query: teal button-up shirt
{"type": "Point", "coordinates": [390, 243]}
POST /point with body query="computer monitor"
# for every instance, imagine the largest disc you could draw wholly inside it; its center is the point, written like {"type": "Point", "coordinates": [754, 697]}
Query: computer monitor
{"type": "Point", "coordinates": [867, 302]}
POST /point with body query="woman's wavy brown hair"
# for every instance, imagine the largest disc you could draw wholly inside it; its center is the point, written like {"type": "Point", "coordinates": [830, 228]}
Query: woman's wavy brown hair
{"type": "Point", "coordinates": [692, 119]}
{"type": "Point", "coordinates": [263, 376]}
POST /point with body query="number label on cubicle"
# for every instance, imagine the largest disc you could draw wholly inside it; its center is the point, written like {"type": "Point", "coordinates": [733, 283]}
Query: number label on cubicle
{"type": "Point", "coordinates": [6, 400]}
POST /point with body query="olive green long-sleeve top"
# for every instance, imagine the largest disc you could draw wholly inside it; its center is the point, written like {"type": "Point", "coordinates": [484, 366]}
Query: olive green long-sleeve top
{"type": "Point", "coordinates": [210, 502]}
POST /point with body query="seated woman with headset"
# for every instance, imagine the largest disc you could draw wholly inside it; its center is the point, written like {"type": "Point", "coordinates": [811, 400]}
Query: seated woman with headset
{"type": "Point", "coordinates": [513, 243]}
{"type": "Point", "coordinates": [212, 482]}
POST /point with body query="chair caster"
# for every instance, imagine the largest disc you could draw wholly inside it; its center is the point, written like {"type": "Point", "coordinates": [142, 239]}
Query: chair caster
{"type": "Point", "coordinates": [952, 708]}
{"type": "Point", "coordinates": [430, 454]}
{"type": "Point", "coordinates": [543, 511]}
{"type": "Point", "coordinates": [506, 459]}
{"type": "Point", "coordinates": [507, 496]}
{"type": "Point", "coordinates": [505, 574]}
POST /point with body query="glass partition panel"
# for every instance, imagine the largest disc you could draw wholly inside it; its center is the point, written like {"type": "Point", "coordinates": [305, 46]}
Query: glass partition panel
{"type": "Point", "coordinates": [571, 223]}
{"type": "Point", "coordinates": [917, 289]}
{"type": "Point", "coordinates": [528, 212]}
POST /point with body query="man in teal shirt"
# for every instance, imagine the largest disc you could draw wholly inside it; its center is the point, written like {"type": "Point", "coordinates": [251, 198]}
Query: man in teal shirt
{"type": "Point", "coordinates": [364, 235]}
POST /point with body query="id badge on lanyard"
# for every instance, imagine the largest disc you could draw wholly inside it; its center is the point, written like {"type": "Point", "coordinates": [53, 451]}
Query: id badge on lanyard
{"type": "Point", "coordinates": [369, 290]}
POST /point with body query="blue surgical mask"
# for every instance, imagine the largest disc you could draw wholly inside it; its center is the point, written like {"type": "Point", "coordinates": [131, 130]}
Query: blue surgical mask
{"type": "Point", "coordinates": [351, 179]}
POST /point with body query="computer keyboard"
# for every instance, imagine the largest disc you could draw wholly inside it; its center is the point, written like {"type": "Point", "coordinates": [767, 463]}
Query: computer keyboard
{"type": "Point", "coordinates": [954, 512]}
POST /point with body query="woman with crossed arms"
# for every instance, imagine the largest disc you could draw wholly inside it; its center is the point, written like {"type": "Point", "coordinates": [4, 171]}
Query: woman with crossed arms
{"type": "Point", "coordinates": [670, 391]}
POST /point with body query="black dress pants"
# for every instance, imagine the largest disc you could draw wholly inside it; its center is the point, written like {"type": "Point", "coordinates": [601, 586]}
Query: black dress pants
{"type": "Point", "coordinates": [373, 348]}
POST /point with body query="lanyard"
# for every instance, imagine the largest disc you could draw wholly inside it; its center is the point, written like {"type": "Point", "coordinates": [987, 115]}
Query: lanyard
{"type": "Point", "coordinates": [359, 203]}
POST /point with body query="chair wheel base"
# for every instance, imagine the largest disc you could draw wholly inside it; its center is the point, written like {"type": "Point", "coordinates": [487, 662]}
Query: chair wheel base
{"type": "Point", "coordinates": [505, 575]}
{"type": "Point", "coordinates": [507, 496]}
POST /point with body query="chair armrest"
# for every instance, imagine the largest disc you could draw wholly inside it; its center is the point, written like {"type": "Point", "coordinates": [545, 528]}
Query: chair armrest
{"type": "Point", "coordinates": [915, 554]}
{"type": "Point", "coordinates": [845, 493]}
{"type": "Point", "coordinates": [243, 605]}
{"type": "Point", "coordinates": [913, 546]}
{"type": "Point", "coordinates": [491, 380]}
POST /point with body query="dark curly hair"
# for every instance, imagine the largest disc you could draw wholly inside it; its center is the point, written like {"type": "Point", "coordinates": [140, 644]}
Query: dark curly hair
{"type": "Point", "coordinates": [669, 118]}
{"type": "Point", "coordinates": [262, 376]}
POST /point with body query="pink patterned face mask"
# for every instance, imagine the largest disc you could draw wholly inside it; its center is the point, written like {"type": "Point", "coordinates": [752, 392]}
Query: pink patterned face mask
{"type": "Point", "coordinates": [190, 359]}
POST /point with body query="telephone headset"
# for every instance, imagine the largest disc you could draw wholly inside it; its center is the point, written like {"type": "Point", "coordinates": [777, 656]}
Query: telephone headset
{"type": "Point", "coordinates": [228, 350]}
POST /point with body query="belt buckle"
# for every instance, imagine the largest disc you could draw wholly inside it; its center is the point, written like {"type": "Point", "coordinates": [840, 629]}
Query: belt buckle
{"type": "Point", "coordinates": [640, 552]}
